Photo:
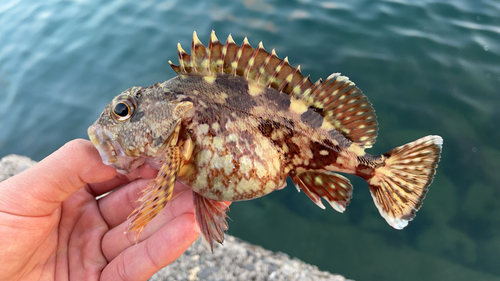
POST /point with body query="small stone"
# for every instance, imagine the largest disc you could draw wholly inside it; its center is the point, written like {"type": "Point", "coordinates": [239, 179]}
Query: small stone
{"type": "Point", "coordinates": [192, 273]}
{"type": "Point", "coordinates": [206, 272]}
{"type": "Point", "coordinates": [249, 267]}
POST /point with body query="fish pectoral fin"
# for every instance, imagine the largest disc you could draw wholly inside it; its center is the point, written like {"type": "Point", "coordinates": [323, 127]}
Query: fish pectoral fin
{"type": "Point", "coordinates": [211, 217]}
{"type": "Point", "coordinates": [157, 193]}
{"type": "Point", "coordinates": [334, 188]}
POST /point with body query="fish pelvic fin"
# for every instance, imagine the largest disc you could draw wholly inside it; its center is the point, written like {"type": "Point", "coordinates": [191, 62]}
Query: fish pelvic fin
{"type": "Point", "coordinates": [398, 188]}
{"type": "Point", "coordinates": [157, 193]}
{"type": "Point", "coordinates": [334, 188]}
{"type": "Point", "coordinates": [211, 217]}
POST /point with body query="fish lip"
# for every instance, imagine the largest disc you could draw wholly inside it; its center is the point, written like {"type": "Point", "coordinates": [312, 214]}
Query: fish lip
{"type": "Point", "coordinates": [111, 151]}
{"type": "Point", "coordinates": [101, 144]}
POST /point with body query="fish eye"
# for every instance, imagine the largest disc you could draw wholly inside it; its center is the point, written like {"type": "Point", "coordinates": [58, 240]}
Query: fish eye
{"type": "Point", "coordinates": [122, 109]}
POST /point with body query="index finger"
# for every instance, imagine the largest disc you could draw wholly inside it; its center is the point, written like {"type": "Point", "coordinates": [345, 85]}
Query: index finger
{"type": "Point", "coordinates": [44, 186]}
{"type": "Point", "coordinates": [144, 171]}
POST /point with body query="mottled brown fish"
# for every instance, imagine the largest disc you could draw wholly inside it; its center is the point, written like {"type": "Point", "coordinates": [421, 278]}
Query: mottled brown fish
{"type": "Point", "coordinates": [237, 121]}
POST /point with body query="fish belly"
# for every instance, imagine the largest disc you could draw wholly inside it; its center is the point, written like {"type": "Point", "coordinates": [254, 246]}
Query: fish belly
{"type": "Point", "coordinates": [233, 169]}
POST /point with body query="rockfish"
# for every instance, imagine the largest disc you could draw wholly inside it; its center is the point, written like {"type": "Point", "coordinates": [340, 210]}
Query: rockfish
{"type": "Point", "coordinates": [237, 121]}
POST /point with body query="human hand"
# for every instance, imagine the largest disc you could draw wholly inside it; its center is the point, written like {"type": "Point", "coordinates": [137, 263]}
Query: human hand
{"type": "Point", "coordinates": [53, 228]}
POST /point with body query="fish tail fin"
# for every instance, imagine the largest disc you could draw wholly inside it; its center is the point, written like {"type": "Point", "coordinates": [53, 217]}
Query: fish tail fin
{"type": "Point", "coordinates": [399, 186]}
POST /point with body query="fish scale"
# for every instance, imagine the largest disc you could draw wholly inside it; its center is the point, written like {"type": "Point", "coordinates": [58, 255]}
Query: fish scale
{"type": "Point", "coordinates": [237, 121]}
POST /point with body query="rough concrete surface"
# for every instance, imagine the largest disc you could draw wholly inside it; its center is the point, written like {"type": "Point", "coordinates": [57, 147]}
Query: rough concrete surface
{"type": "Point", "coordinates": [14, 164]}
{"type": "Point", "coordinates": [236, 260]}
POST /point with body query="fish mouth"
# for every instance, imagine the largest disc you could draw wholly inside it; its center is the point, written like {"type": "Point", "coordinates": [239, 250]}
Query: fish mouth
{"type": "Point", "coordinates": [111, 151]}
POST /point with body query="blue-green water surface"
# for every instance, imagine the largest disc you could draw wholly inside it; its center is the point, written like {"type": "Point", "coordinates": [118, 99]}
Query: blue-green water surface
{"type": "Point", "coordinates": [428, 67]}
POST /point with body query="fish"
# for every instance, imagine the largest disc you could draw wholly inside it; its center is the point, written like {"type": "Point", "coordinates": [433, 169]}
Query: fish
{"type": "Point", "coordinates": [237, 121]}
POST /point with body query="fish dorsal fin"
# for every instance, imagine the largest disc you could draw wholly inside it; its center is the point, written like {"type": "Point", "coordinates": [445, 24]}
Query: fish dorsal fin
{"type": "Point", "coordinates": [336, 99]}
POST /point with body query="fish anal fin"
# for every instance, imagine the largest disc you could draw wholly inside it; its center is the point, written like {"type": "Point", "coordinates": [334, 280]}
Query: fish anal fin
{"type": "Point", "coordinates": [157, 193]}
{"type": "Point", "coordinates": [334, 188]}
{"type": "Point", "coordinates": [211, 217]}
{"type": "Point", "coordinates": [313, 196]}
{"type": "Point", "coordinates": [399, 186]}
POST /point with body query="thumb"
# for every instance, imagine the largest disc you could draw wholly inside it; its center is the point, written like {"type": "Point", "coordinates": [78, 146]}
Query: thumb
{"type": "Point", "coordinates": [41, 189]}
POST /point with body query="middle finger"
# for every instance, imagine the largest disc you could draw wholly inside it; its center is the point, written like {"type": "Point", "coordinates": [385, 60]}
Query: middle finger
{"type": "Point", "coordinates": [117, 206]}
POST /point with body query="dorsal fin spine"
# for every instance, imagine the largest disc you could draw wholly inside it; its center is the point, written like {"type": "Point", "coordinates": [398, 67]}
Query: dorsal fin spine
{"type": "Point", "coordinates": [200, 56]}
{"type": "Point", "coordinates": [312, 91]}
{"type": "Point", "coordinates": [194, 44]}
{"type": "Point", "coordinates": [224, 53]}
{"type": "Point", "coordinates": [262, 68]}
{"type": "Point", "coordinates": [270, 68]}
{"type": "Point", "coordinates": [241, 64]}
{"type": "Point", "coordinates": [259, 59]}
{"type": "Point", "coordinates": [214, 54]}
{"type": "Point", "coordinates": [288, 79]}
{"type": "Point", "coordinates": [267, 78]}
{"type": "Point", "coordinates": [251, 62]}
{"type": "Point", "coordinates": [234, 64]}
{"type": "Point", "coordinates": [224, 49]}
{"type": "Point", "coordinates": [274, 80]}
{"type": "Point", "coordinates": [229, 63]}
{"type": "Point", "coordinates": [293, 82]}
{"type": "Point", "coordinates": [176, 68]}
{"type": "Point", "coordinates": [213, 38]}
{"type": "Point", "coordinates": [183, 57]}
{"type": "Point", "coordinates": [298, 92]}
{"type": "Point", "coordinates": [246, 52]}
{"type": "Point", "coordinates": [306, 85]}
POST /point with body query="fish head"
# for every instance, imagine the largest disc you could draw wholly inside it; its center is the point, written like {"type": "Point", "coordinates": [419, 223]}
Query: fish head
{"type": "Point", "coordinates": [137, 126]}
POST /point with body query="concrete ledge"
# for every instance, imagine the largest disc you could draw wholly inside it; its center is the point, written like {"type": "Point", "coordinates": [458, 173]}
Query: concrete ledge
{"type": "Point", "coordinates": [11, 165]}
{"type": "Point", "coordinates": [236, 260]}
{"type": "Point", "coordinates": [239, 260]}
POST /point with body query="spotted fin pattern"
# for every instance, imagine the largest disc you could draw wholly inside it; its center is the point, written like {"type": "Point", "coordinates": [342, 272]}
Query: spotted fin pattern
{"type": "Point", "coordinates": [343, 105]}
{"type": "Point", "coordinates": [399, 187]}
{"type": "Point", "coordinates": [157, 194]}
{"type": "Point", "coordinates": [334, 188]}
